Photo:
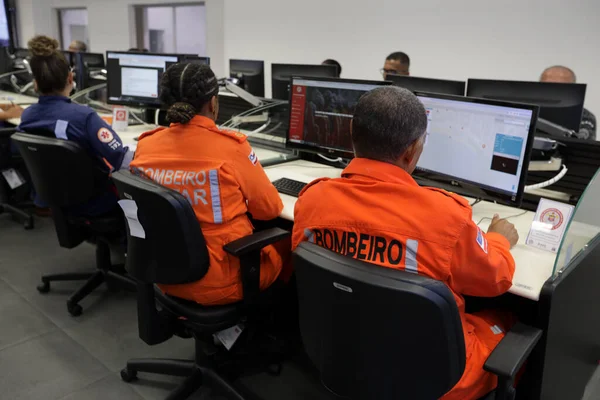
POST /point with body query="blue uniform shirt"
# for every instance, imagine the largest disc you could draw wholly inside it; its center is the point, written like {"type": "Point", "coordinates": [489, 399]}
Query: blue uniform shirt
{"type": "Point", "coordinates": [81, 124]}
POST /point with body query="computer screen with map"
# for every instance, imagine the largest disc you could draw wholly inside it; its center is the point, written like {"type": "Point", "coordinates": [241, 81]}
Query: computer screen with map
{"type": "Point", "coordinates": [483, 144]}
{"type": "Point", "coordinates": [321, 111]}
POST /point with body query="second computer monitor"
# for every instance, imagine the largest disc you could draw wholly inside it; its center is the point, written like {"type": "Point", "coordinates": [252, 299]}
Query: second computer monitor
{"type": "Point", "coordinates": [484, 144]}
{"type": "Point", "coordinates": [250, 75]}
{"type": "Point", "coordinates": [417, 84]}
{"type": "Point", "coordinates": [561, 103]}
{"type": "Point", "coordinates": [321, 112]}
{"type": "Point", "coordinates": [134, 78]}
{"type": "Point", "coordinates": [195, 59]}
{"type": "Point", "coordinates": [281, 74]}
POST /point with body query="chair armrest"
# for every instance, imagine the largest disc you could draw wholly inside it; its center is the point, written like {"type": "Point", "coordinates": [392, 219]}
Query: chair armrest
{"type": "Point", "coordinates": [248, 250]}
{"type": "Point", "coordinates": [256, 241]}
{"type": "Point", "coordinates": [6, 133]}
{"type": "Point", "coordinates": [509, 356]}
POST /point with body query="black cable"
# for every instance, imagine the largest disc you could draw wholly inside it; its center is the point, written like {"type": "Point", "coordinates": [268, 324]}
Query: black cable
{"type": "Point", "coordinates": [475, 202]}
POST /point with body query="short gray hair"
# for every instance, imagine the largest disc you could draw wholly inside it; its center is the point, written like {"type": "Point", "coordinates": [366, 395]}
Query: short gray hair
{"type": "Point", "coordinates": [387, 120]}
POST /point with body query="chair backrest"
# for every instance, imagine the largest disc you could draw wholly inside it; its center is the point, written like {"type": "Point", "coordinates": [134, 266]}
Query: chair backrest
{"type": "Point", "coordinates": [375, 332]}
{"type": "Point", "coordinates": [173, 250]}
{"type": "Point", "coordinates": [63, 173]}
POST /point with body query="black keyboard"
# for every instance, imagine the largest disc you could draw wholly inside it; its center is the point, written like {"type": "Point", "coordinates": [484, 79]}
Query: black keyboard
{"type": "Point", "coordinates": [289, 186]}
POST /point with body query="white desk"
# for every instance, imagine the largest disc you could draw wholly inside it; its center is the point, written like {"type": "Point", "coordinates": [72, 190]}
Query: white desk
{"type": "Point", "coordinates": [533, 266]}
{"type": "Point", "coordinates": [19, 99]}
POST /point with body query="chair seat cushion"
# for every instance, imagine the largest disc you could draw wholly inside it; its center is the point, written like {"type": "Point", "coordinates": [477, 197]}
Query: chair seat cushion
{"type": "Point", "coordinates": [209, 319]}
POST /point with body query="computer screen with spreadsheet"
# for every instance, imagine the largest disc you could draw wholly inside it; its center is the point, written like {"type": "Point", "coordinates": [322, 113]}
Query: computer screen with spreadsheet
{"type": "Point", "coordinates": [483, 143]}
{"type": "Point", "coordinates": [321, 111]}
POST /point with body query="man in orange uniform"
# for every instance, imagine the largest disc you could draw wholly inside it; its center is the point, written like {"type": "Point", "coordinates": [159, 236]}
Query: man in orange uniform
{"type": "Point", "coordinates": [376, 212]}
{"type": "Point", "coordinates": [218, 173]}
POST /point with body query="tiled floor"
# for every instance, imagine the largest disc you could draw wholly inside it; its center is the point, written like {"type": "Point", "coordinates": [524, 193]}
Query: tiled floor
{"type": "Point", "coordinates": [48, 355]}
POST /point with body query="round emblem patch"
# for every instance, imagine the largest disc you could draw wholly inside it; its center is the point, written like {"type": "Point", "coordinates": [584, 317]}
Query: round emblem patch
{"type": "Point", "coordinates": [553, 217]}
{"type": "Point", "coordinates": [105, 136]}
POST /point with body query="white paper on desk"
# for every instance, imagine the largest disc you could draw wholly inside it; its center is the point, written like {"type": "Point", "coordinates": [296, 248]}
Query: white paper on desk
{"type": "Point", "coordinates": [120, 119]}
{"type": "Point", "coordinates": [229, 336]}
{"type": "Point", "coordinates": [130, 210]}
{"type": "Point", "coordinates": [549, 225]}
{"type": "Point", "coordinates": [13, 178]}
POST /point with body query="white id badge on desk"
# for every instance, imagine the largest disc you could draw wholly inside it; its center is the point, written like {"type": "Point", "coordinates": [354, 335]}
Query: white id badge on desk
{"type": "Point", "coordinates": [549, 225]}
{"type": "Point", "coordinates": [13, 178]}
{"type": "Point", "coordinates": [120, 119]}
{"type": "Point", "coordinates": [130, 210]}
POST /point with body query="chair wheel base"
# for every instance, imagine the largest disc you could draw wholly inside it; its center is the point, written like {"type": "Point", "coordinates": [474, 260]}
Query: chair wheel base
{"type": "Point", "coordinates": [43, 287]}
{"type": "Point", "coordinates": [74, 309]}
{"type": "Point", "coordinates": [128, 375]}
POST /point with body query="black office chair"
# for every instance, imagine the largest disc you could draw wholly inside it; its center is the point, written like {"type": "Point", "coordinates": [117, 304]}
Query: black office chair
{"type": "Point", "coordinates": [381, 333]}
{"type": "Point", "coordinates": [13, 201]}
{"type": "Point", "coordinates": [173, 251]}
{"type": "Point", "coordinates": [64, 176]}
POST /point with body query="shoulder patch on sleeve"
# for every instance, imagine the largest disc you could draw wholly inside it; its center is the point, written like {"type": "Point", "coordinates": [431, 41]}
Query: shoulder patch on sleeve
{"type": "Point", "coordinates": [237, 136]}
{"type": "Point", "coordinates": [150, 133]}
{"type": "Point", "coordinates": [481, 240]}
{"type": "Point", "coordinates": [459, 199]}
{"type": "Point", "coordinates": [313, 183]}
{"type": "Point", "coordinates": [253, 157]}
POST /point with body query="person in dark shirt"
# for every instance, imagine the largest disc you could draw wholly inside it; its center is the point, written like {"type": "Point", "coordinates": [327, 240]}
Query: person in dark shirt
{"type": "Point", "coordinates": [397, 63]}
{"type": "Point", "coordinates": [56, 113]}
{"type": "Point", "coordinates": [336, 64]}
{"type": "Point", "coordinates": [560, 74]}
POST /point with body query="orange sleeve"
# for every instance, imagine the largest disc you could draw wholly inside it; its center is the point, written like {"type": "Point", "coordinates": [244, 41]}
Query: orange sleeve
{"type": "Point", "coordinates": [261, 196]}
{"type": "Point", "coordinates": [482, 264]}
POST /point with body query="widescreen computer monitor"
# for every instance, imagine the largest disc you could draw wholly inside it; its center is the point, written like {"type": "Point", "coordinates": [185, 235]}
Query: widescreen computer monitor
{"type": "Point", "coordinates": [195, 59]}
{"type": "Point", "coordinates": [86, 63]}
{"type": "Point", "coordinates": [481, 146]}
{"type": "Point", "coordinates": [133, 79]}
{"type": "Point", "coordinates": [561, 103]}
{"type": "Point", "coordinates": [5, 39]}
{"type": "Point", "coordinates": [321, 111]}
{"type": "Point", "coordinates": [281, 74]}
{"type": "Point", "coordinates": [250, 75]}
{"type": "Point", "coordinates": [417, 84]}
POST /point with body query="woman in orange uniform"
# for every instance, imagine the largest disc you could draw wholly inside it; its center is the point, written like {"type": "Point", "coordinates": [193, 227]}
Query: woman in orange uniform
{"type": "Point", "coordinates": [219, 173]}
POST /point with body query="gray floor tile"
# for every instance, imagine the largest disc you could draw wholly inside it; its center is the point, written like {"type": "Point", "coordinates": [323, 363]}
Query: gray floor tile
{"type": "Point", "coordinates": [109, 388]}
{"type": "Point", "coordinates": [109, 332]}
{"type": "Point", "coordinates": [21, 321]}
{"type": "Point", "coordinates": [47, 368]}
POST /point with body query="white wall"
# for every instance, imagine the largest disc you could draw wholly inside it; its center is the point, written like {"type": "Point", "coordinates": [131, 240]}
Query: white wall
{"type": "Point", "coordinates": [111, 23]}
{"type": "Point", "coordinates": [73, 17]}
{"type": "Point", "coordinates": [161, 18]}
{"type": "Point", "coordinates": [452, 39]}
{"type": "Point", "coordinates": [190, 32]}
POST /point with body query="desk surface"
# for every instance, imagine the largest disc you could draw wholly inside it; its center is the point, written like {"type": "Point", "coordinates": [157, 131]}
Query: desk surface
{"type": "Point", "coordinates": [533, 266]}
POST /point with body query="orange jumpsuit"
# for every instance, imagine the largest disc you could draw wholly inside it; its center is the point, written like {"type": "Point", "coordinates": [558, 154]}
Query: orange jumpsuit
{"type": "Point", "coordinates": [377, 213]}
{"type": "Point", "coordinates": [219, 173]}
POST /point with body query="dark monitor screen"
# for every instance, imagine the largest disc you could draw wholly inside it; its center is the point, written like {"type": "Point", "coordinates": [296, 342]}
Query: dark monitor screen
{"type": "Point", "coordinates": [69, 56]}
{"type": "Point", "coordinates": [417, 84]}
{"type": "Point", "coordinates": [133, 79]}
{"type": "Point", "coordinates": [195, 59]}
{"type": "Point", "coordinates": [561, 103]}
{"type": "Point", "coordinates": [86, 63]}
{"type": "Point", "coordinates": [281, 74]}
{"type": "Point", "coordinates": [250, 75]}
{"type": "Point", "coordinates": [321, 112]}
{"type": "Point", "coordinates": [484, 144]}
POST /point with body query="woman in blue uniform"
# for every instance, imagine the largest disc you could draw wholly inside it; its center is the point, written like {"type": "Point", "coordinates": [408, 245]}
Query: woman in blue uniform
{"type": "Point", "coordinates": [56, 113]}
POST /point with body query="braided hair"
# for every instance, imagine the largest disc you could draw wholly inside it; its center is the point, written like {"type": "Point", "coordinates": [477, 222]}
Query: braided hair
{"type": "Point", "coordinates": [185, 89]}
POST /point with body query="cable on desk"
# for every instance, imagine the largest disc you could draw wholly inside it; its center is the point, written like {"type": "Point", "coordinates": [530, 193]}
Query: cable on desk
{"type": "Point", "coordinates": [552, 181]}
{"type": "Point", "coordinates": [512, 216]}
{"type": "Point", "coordinates": [477, 201]}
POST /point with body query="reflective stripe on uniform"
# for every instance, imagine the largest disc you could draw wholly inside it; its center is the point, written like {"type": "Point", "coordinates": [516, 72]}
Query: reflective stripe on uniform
{"type": "Point", "coordinates": [412, 246]}
{"type": "Point", "coordinates": [215, 195]}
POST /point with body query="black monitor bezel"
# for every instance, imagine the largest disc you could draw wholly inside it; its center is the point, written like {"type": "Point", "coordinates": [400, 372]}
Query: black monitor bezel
{"type": "Point", "coordinates": [332, 68]}
{"type": "Point", "coordinates": [531, 83]}
{"type": "Point", "coordinates": [489, 193]}
{"type": "Point", "coordinates": [183, 58]}
{"type": "Point", "coordinates": [156, 104]}
{"type": "Point", "coordinates": [392, 78]}
{"type": "Point", "coordinates": [315, 149]}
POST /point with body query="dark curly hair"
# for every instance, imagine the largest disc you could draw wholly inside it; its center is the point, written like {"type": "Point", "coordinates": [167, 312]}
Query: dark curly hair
{"type": "Point", "coordinates": [49, 66]}
{"type": "Point", "coordinates": [185, 89]}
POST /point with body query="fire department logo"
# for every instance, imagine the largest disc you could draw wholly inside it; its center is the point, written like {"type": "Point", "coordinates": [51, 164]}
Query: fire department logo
{"type": "Point", "coordinates": [121, 115]}
{"type": "Point", "coordinates": [299, 89]}
{"type": "Point", "coordinates": [553, 217]}
{"type": "Point", "coordinates": [105, 136]}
